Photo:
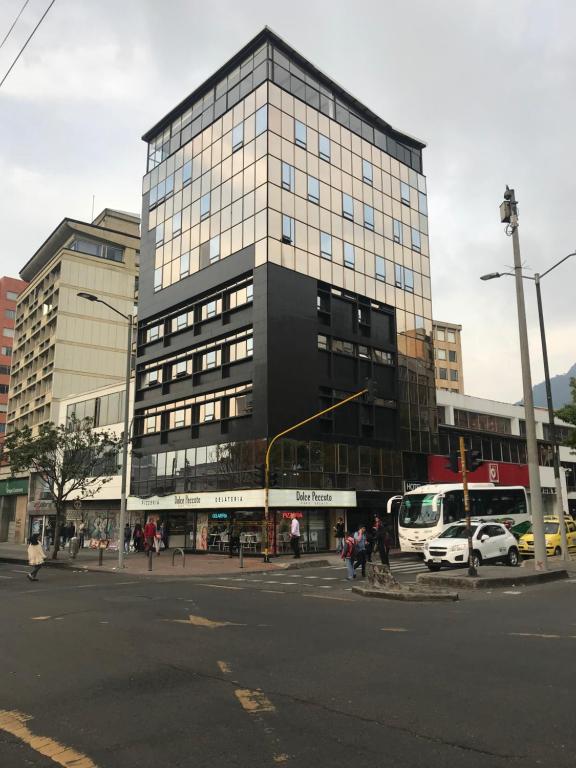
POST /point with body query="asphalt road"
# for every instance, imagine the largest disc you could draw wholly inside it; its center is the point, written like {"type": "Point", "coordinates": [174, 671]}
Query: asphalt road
{"type": "Point", "coordinates": [291, 669]}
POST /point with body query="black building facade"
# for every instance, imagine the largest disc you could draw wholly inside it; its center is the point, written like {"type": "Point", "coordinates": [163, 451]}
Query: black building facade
{"type": "Point", "coordinates": [284, 260]}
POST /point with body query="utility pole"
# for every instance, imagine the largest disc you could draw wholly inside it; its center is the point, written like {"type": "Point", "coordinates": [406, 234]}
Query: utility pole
{"type": "Point", "coordinates": [555, 447]}
{"type": "Point", "coordinates": [464, 472]}
{"type": "Point", "coordinates": [509, 216]}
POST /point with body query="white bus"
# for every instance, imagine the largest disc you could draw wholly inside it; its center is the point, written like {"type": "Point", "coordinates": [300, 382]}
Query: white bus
{"type": "Point", "coordinates": [427, 510]}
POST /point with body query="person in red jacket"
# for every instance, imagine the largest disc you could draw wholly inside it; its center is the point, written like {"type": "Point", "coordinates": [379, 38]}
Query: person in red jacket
{"type": "Point", "coordinates": [149, 534]}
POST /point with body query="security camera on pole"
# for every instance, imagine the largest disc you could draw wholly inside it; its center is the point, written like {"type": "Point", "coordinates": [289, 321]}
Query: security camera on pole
{"type": "Point", "coordinates": [509, 216]}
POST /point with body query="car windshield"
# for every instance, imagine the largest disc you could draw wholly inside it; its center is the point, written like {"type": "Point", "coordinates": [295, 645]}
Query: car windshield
{"type": "Point", "coordinates": [551, 528]}
{"type": "Point", "coordinates": [418, 511]}
{"type": "Point", "coordinates": [457, 532]}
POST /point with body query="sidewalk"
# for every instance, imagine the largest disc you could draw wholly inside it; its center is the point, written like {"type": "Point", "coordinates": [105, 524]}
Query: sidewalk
{"type": "Point", "coordinates": [136, 563]}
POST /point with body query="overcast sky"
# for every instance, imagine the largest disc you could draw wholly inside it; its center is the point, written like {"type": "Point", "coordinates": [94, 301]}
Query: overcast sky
{"type": "Point", "coordinates": [489, 86]}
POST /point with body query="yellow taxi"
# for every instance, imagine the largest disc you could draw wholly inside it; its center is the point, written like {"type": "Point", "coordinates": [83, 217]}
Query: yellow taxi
{"type": "Point", "coordinates": [552, 533]}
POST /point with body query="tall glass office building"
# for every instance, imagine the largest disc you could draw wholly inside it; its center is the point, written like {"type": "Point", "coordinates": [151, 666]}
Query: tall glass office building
{"type": "Point", "coordinates": [284, 260]}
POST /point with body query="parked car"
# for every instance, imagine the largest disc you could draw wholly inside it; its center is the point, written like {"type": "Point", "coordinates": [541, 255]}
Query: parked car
{"type": "Point", "coordinates": [552, 534]}
{"type": "Point", "coordinates": [491, 542]}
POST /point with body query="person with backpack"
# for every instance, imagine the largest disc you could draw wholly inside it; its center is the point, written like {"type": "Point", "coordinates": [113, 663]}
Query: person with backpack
{"type": "Point", "coordinates": [348, 554]}
{"type": "Point", "coordinates": [35, 556]}
{"type": "Point", "coordinates": [360, 550]}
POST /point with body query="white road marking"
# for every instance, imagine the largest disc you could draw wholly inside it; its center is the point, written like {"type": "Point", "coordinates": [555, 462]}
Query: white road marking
{"type": "Point", "coordinates": [219, 586]}
{"type": "Point", "coordinates": [511, 592]}
{"type": "Point", "coordinates": [542, 636]}
{"type": "Point", "coordinates": [393, 629]}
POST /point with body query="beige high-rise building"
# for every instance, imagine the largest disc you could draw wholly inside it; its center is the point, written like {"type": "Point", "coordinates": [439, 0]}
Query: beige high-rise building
{"type": "Point", "coordinates": [64, 345]}
{"type": "Point", "coordinates": [448, 357]}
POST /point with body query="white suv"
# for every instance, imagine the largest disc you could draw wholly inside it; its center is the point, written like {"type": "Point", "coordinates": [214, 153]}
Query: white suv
{"type": "Point", "coordinates": [490, 542]}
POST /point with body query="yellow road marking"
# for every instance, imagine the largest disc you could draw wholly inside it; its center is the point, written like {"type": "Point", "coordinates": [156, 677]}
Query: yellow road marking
{"type": "Point", "coordinates": [201, 621]}
{"type": "Point", "coordinates": [13, 722]}
{"type": "Point", "coordinates": [542, 636]}
{"type": "Point", "coordinates": [254, 702]}
{"type": "Point", "coordinates": [224, 667]}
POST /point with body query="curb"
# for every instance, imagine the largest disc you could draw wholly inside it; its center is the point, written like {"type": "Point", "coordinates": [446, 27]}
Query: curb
{"type": "Point", "coordinates": [488, 582]}
{"type": "Point", "coordinates": [304, 564]}
{"type": "Point", "coordinates": [406, 595]}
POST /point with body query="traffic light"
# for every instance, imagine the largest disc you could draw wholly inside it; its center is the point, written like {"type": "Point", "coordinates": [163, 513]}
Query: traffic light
{"type": "Point", "coordinates": [371, 390]}
{"type": "Point", "coordinates": [453, 462]}
{"type": "Point", "coordinates": [260, 473]}
{"type": "Point", "coordinates": [473, 460]}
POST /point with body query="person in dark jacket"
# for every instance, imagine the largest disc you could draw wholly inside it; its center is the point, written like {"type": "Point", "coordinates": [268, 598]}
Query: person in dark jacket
{"type": "Point", "coordinates": [339, 534]}
{"type": "Point", "coordinates": [381, 541]}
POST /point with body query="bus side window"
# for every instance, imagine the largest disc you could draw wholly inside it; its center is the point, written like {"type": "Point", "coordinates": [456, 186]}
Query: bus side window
{"type": "Point", "coordinates": [477, 504]}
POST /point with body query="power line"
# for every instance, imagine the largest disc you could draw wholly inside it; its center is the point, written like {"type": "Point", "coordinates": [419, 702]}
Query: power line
{"type": "Point", "coordinates": [31, 35]}
{"type": "Point", "coordinates": [14, 23]}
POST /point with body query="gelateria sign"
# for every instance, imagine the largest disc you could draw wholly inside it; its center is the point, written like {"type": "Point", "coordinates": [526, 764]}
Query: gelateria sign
{"type": "Point", "coordinates": [250, 499]}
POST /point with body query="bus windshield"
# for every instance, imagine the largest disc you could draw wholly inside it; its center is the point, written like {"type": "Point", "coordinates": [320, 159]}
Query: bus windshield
{"type": "Point", "coordinates": [419, 511]}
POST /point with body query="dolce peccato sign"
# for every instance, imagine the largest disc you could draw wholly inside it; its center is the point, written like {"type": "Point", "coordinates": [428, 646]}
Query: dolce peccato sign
{"type": "Point", "coordinates": [279, 497]}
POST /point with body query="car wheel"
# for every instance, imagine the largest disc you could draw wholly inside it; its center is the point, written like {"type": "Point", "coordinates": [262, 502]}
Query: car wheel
{"type": "Point", "coordinates": [558, 552]}
{"type": "Point", "coordinates": [476, 559]}
{"type": "Point", "coordinates": [433, 566]}
{"type": "Point", "coordinates": [513, 558]}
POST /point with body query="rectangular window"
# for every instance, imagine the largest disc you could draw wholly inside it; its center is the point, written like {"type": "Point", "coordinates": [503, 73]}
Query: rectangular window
{"type": "Point", "coordinates": [441, 354]}
{"type": "Point", "coordinates": [368, 216]}
{"type": "Point", "coordinates": [453, 374]}
{"type": "Point", "coordinates": [211, 309]}
{"type": "Point", "coordinates": [397, 231]}
{"type": "Point", "coordinates": [210, 359]}
{"type": "Point", "coordinates": [380, 268]}
{"type": "Point", "coordinates": [6, 351]}
{"type": "Point", "coordinates": [207, 412]}
{"type": "Point", "coordinates": [181, 321]}
{"type": "Point", "coordinates": [422, 203]}
{"type": "Point", "coordinates": [287, 230]}
{"type": "Point", "coordinates": [184, 265]}
{"type": "Point", "coordinates": [451, 337]}
{"type": "Point", "coordinates": [349, 255]}
{"type": "Point", "coordinates": [177, 223]}
{"type": "Point", "coordinates": [398, 276]}
{"type": "Point", "coordinates": [169, 185]}
{"type": "Point", "coordinates": [440, 334]}
{"type": "Point", "coordinates": [261, 120]}
{"type": "Point", "coordinates": [386, 358]}
{"type": "Point", "coordinates": [205, 206]}
{"type": "Point", "coordinates": [408, 280]}
{"type": "Point", "coordinates": [288, 177]}
{"type": "Point", "coordinates": [324, 147]}
{"type": "Point", "coordinates": [416, 242]}
{"type": "Point", "coordinates": [452, 355]}
{"type": "Point", "coordinates": [160, 233]}
{"type": "Point", "coordinates": [214, 249]}
{"type": "Point", "coordinates": [322, 342]}
{"type": "Point", "coordinates": [325, 245]}
{"type": "Point", "coordinates": [179, 369]}
{"type": "Point", "coordinates": [11, 296]}
{"type": "Point", "coordinates": [347, 207]}
{"type": "Point", "coordinates": [367, 172]}
{"type": "Point", "coordinates": [187, 173]}
{"type": "Point", "coordinates": [237, 136]}
{"type": "Point", "coordinates": [313, 190]}
{"type": "Point", "coordinates": [443, 374]}
{"type": "Point", "coordinates": [10, 314]}
{"type": "Point", "coordinates": [157, 279]}
{"type": "Point", "coordinates": [405, 193]}
{"type": "Point", "coordinates": [300, 134]}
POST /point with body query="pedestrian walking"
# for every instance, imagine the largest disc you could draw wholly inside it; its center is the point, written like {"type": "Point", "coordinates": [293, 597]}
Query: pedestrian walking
{"type": "Point", "coordinates": [348, 554]}
{"type": "Point", "coordinates": [158, 539]}
{"type": "Point", "coordinates": [127, 537]}
{"type": "Point", "coordinates": [82, 534]}
{"type": "Point", "coordinates": [360, 550]}
{"type": "Point", "coordinates": [381, 542]}
{"type": "Point", "coordinates": [149, 535]}
{"type": "Point", "coordinates": [165, 531]}
{"type": "Point", "coordinates": [339, 533]}
{"type": "Point", "coordinates": [138, 538]}
{"type": "Point", "coordinates": [295, 536]}
{"type": "Point", "coordinates": [35, 556]}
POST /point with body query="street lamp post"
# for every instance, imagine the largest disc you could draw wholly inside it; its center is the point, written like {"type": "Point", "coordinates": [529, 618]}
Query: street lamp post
{"type": "Point", "coordinates": [555, 447]}
{"type": "Point", "coordinates": [509, 216]}
{"type": "Point", "coordinates": [125, 440]}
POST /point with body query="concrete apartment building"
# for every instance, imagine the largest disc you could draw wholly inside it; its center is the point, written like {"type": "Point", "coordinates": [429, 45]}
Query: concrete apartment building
{"type": "Point", "coordinates": [448, 357]}
{"type": "Point", "coordinates": [10, 289]}
{"type": "Point", "coordinates": [63, 345]}
{"type": "Point", "coordinates": [285, 259]}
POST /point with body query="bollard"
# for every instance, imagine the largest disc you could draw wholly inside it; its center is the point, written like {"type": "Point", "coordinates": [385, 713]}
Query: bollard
{"type": "Point", "coordinates": [241, 556]}
{"type": "Point", "coordinates": [150, 559]}
{"type": "Point", "coordinates": [100, 556]}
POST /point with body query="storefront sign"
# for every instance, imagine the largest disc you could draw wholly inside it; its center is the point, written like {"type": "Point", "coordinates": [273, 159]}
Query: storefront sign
{"type": "Point", "coordinates": [252, 499]}
{"type": "Point", "coordinates": [14, 486]}
{"type": "Point", "coordinates": [218, 515]}
{"type": "Point", "coordinates": [411, 485]}
{"type": "Point", "coordinates": [289, 515]}
{"type": "Point", "coordinates": [41, 507]}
